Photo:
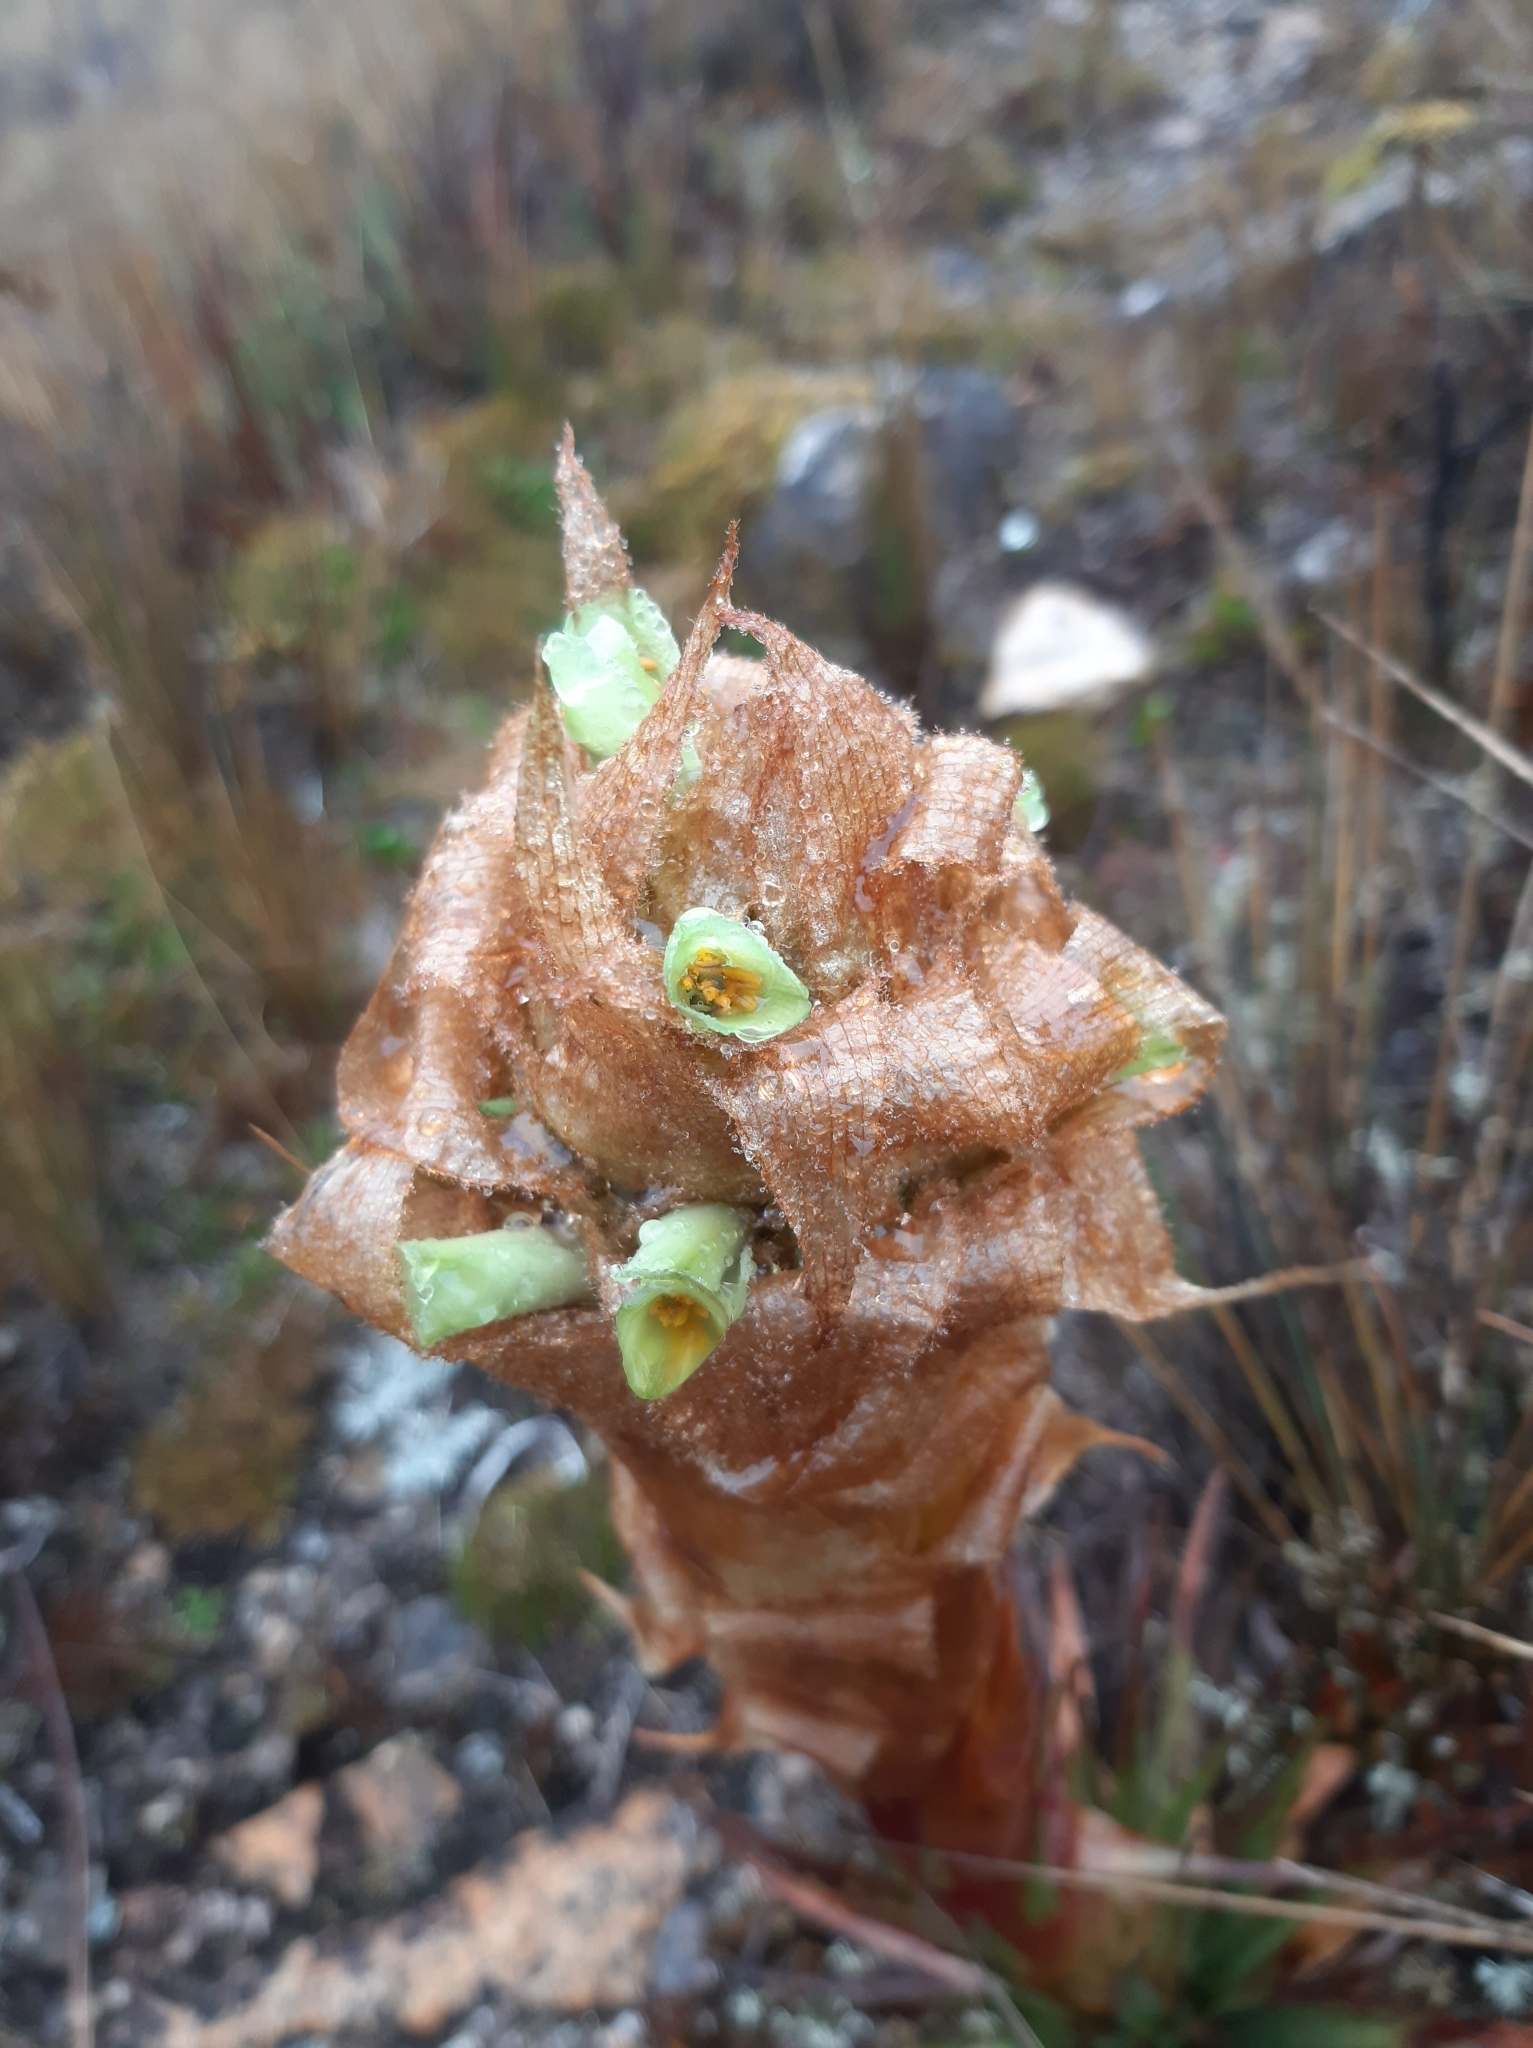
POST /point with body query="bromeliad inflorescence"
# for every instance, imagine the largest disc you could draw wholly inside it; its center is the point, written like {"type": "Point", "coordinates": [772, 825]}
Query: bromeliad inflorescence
{"type": "Point", "coordinates": [743, 1083]}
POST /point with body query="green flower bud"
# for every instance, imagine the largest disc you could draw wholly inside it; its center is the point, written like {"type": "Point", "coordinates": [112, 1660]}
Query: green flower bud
{"type": "Point", "coordinates": [724, 977]}
{"type": "Point", "coordinates": [608, 666]}
{"type": "Point", "coordinates": [1031, 806]}
{"type": "Point", "coordinates": [462, 1283]}
{"type": "Point", "coordinates": [1158, 1049]}
{"type": "Point", "coordinates": [686, 1284]}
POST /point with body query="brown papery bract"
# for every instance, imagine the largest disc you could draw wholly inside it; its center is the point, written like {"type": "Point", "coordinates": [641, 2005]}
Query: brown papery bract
{"type": "Point", "coordinates": [823, 1507]}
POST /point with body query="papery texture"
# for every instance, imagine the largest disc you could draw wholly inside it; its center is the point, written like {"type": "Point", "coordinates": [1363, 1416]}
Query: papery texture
{"type": "Point", "coordinates": [939, 1157]}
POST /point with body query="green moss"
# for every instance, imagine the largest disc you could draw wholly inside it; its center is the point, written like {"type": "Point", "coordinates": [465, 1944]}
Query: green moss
{"type": "Point", "coordinates": [225, 1458]}
{"type": "Point", "coordinates": [518, 1575]}
{"type": "Point", "coordinates": [1229, 632]}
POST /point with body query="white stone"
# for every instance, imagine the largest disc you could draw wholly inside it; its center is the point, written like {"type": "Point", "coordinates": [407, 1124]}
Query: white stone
{"type": "Point", "coordinates": [1058, 646]}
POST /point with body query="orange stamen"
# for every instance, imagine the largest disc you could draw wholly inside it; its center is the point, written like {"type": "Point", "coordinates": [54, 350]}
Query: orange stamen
{"type": "Point", "coordinates": [711, 983]}
{"type": "Point", "coordinates": [675, 1311]}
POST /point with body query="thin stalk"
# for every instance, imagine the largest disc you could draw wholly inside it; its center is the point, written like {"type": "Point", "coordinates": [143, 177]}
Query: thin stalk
{"type": "Point", "coordinates": [1393, 755]}
{"type": "Point", "coordinates": [1521, 1331]}
{"type": "Point", "coordinates": [1452, 1933]}
{"type": "Point", "coordinates": [1499, 1078]}
{"type": "Point", "coordinates": [1492, 743]}
{"type": "Point", "coordinates": [1345, 763]}
{"type": "Point", "coordinates": [1277, 1524]}
{"type": "Point", "coordinates": [1273, 1406]}
{"type": "Point", "coordinates": [1386, 1390]}
{"type": "Point", "coordinates": [1373, 819]}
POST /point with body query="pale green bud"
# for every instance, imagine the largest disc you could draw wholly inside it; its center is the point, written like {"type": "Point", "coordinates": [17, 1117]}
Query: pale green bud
{"type": "Point", "coordinates": [453, 1284]}
{"type": "Point", "coordinates": [1031, 806]}
{"type": "Point", "coordinates": [608, 666]}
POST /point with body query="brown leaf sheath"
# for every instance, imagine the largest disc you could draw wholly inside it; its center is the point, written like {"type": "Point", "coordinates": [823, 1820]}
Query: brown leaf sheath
{"type": "Point", "coordinates": [823, 1508]}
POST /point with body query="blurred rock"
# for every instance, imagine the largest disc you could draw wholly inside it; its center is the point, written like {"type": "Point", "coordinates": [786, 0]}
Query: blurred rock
{"type": "Point", "coordinates": [559, 1926]}
{"type": "Point", "coordinates": [721, 456]}
{"type": "Point", "coordinates": [881, 515]}
{"type": "Point", "coordinates": [219, 1921]}
{"type": "Point", "coordinates": [796, 1805]}
{"type": "Point", "coordinates": [401, 1800]}
{"type": "Point", "coordinates": [437, 1661]}
{"type": "Point", "coordinates": [1058, 646]}
{"type": "Point", "coordinates": [391, 1397]}
{"type": "Point", "coordinates": [681, 1966]}
{"type": "Point", "coordinates": [278, 1849]}
{"type": "Point", "coordinates": [1332, 553]}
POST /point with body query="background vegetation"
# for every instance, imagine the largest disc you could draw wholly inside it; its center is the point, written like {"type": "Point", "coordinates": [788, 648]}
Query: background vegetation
{"type": "Point", "coordinates": [1235, 307]}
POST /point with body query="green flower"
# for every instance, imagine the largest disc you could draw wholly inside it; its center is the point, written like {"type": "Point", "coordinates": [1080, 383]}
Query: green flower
{"type": "Point", "coordinates": [1158, 1048]}
{"type": "Point", "coordinates": [608, 666]}
{"type": "Point", "coordinates": [687, 1283]}
{"type": "Point", "coordinates": [724, 977]}
{"type": "Point", "coordinates": [462, 1283]}
{"type": "Point", "coordinates": [1031, 806]}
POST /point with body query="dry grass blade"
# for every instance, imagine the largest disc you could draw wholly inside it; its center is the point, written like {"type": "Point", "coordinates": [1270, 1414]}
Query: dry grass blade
{"type": "Point", "coordinates": [1198, 1557]}
{"type": "Point", "coordinates": [824, 1909]}
{"type": "Point", "coordinates": [1522, 1332]}
{"type": "Point", "coordinates": [1489, 1638]}
{"type": "Point", "coordinates": [1451, 790]}
{"type": "Point", "coordinates": [1461, 1931]}
{"type": "Point", "coordinates": [1490, 738]}
{"type": "Point", "coordinates": [1372, 875]}
{"type": "Point", "coordinates": [1499, 1076]}
{"type": "Point", "coordinates": [1287, 1277]}
{"type": "Point", "coordinates": [1279, 1418]}
{"type": "Point", "coordinates": [1280, 643]}
{"type": "Point", "coordinates": [1500, 750]}
{"type": "Point", "coordinates": [1272, 1517]}
{"type": "Point", "coordinates": [1157, 1863]}
{"type": "Point", "coordinates": [820, 1905]}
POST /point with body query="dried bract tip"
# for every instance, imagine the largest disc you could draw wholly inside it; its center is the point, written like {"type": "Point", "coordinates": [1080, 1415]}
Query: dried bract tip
{"type": "Point", "coordinates": [608, 667]}
{"type": "Point", "coordinates": [595, 560]}
{"type": "Point", "coordinates": [724, 977]}
{"type": "Point", "coordinates": [453, 1284]}
{"type": "Point", "coordinates": [688, 1282]}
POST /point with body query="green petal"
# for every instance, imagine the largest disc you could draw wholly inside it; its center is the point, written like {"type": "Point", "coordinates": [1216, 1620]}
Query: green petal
{"type": "Point", "coordinates": [1032, 806]}
{"type": "Point", "coordinates": [721, 947]}
{"type": "Point", "coordinates": [685, 1285]}
{"type": "Point", "coordinates": [461, 1283]}
{"type": "Point", "coordinates": [608, 666]}
{"type": "Point", "coordinates": [1158, 1048]}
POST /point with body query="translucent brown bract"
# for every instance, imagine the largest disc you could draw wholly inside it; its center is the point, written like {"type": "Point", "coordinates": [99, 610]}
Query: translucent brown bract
{"type": "Point", "coordinates": [934, 1160]}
